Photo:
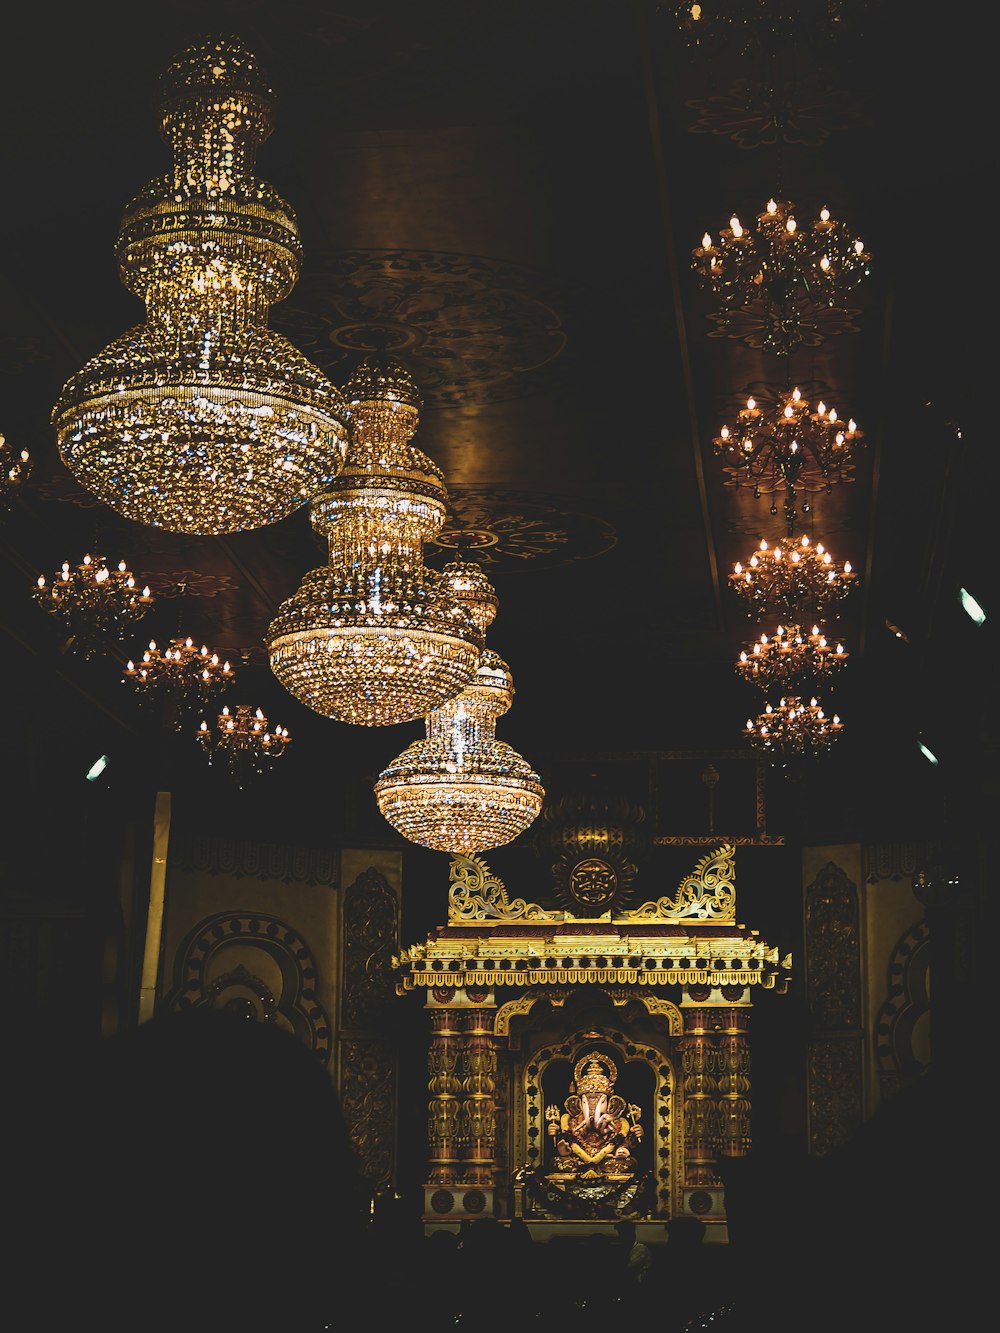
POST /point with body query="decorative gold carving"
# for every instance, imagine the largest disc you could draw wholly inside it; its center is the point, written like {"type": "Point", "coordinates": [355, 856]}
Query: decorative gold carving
{"type": "Point", "coordinates": [834, 1096]}
{"type": "Point", "coordinates": [368, 1097]}
{"type": "Point", "coordinates": [894, 860]}
{"type": "Point", "coordinates": [371, 932]}
{"type": "Point", "coordinates": [256, 860]}
{"type": "Point", "coordinates": [258, 945]}
{"type": "Point", "coordinates": [476, 894]}
{"type": "Point", "coordinates": [833, 957]}
{"type": "Point", "coordinates": [707, 894]}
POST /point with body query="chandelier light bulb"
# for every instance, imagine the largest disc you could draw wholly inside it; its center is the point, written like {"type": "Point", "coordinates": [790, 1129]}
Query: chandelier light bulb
{"type": "Point", "coordinates": [202, 419]}
{"type": "Point", "coordinates": [179, 677]}
{"type": "Point", "coordinates": [782, 269]}
{"type": "Point", "coordinates": [793, 729]}
{"type": "Point", "coordinates": [785, 447]}
{"type": "Point", "coordinates": [791, 578]}
{"type": "Point", "coordinates": [242, 742]}
{"type": "Point", "coordinates": [790, 657]}
{"type": "Point", "coordinates": [15, 469]}
{"type": "Point", "coordinates": [95, 604]}
{"type": "Point", "coordinates": [375, 637]}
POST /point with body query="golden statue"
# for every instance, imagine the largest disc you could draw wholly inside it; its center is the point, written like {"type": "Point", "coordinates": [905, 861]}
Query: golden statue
{"type": "Point", "coordinates": [597, 1133]}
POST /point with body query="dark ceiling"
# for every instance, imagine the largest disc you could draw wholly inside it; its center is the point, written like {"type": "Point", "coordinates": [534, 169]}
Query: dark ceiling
{"type": "Point", "coordinates": [509, 196]}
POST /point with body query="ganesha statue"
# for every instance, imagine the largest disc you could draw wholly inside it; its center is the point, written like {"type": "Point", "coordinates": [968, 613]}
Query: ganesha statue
{"type": "Point", "coordinates": [597, 1131]}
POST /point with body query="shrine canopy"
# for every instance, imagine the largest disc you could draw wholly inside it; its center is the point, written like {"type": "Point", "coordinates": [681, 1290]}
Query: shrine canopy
{"type": "Point", "coordinates": [689, 938]}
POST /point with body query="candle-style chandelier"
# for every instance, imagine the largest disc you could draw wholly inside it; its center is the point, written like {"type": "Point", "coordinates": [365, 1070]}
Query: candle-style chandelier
{"type": "Point", "coordinates": [791, 575]}
{"type": "Point", "coordinates": [178, 677]}
{"type": "Point", "coordinates": [15, 468]}
{"type": "Point", "coordinates": [793, 729]}
{"type": "Point", "coordinates": [460, 789]}
{"type": "Point", "coordinates": [96, 603]}
{"type": "Point", "coordinates": [375, 637]}
{"type": "Point", "coordinates": [783, 446]}
{"type": "Point", "coordinates": [242, 741]}
{"type": "Point", "coordinates": [790, 656]}
{"type": "Point", "coordinates": [782, 268]}
{"type": "Point", "coordinates": [202, 419]}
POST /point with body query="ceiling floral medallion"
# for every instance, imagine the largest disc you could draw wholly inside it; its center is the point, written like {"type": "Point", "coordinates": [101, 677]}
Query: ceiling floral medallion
{"type": "Point", "coordinates": [754, 327]}
{"type": "Point", "coordinates": [512, 530]}
{"type": "Point", "coordinates": [471, 330]}
{"type": "Point", "coordinates": [190, 583]}
{"type": "Point", "coordinates": [754, 116]}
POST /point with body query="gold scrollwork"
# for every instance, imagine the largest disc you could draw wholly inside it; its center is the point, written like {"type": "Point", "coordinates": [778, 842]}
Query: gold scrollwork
{"type": "Point", "coordinates": [476, 894]}
{"type": "Point", "coordinates": [709, 893]}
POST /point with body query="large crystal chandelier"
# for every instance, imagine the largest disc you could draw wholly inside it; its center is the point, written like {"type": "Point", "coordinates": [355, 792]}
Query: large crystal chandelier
{"type": "Point", "coordinates": [783, 446]}
{"type": "Point", "coordinates": [374, 637]}
{"type": "Point", "coordinates": [791, 575]}
{"type": "Point", "coordinates": [96, 603]}
{"type": "Point", "coordinates": [243, 742]}
{"type": "Point", "coordinates": [204, 420]}
{"type": "Point", "coordinates": [781, 267]}
{"type": "Point", "coordinates": [793, 729]}
{"type": "Point", "coordinates": [459, 789]}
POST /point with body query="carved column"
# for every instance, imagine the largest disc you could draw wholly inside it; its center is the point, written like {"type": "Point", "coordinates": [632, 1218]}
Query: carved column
{"type": "Point", "coordinates": [701, 1066]}
{"type": "Point", "coordinates": [734, 1085]}
{"type": "Point", "coordinates": [478, 1115]}
{"type": "Point", "coordinates": [444, 1087]}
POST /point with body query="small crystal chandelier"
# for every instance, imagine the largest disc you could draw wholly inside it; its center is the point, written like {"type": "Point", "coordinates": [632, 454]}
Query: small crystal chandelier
{"type": "Point", "coordinates": [793, 729]}
{"type": "Point", "coordinates": [781, 267]}
{"type": "Point", "coordinates": [203, 420]}
{"type": "Point", "coordinates": [374, 637]}
{"type": "Point", "coordinates": [459, 789]}
{"type": "Point", "coordinates": [95, 603]}
{"type": "Point", "coordinates": [790, 576]}
{"type": "Point", "coordinates": [15, 468]}
{"type": "Point", "coordinates": [243, 742]}
{"type": "Point", "coordinates": [785, 447]}
{"type": "Point", "coordinates": [180, 677]}
{"type": "Point", "coordinates": [789, 656]}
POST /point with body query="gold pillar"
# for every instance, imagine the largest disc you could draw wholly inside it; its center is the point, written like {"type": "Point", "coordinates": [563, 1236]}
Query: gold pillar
{"type": "Point", "coordinates": [702, 1065]}
{"type": "Point", "coordinates": [478, 1115]}
{"type": "Point", "coordinates": [734, 1085]}
{"type": "Point", "coordinates": [444, 1087]}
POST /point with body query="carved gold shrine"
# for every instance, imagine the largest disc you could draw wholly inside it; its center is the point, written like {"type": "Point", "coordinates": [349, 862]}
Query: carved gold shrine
{"type": "Point", "coordinates": [584, 1069]}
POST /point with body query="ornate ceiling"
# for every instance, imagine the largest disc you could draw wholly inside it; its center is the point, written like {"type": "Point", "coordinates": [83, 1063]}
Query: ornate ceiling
{"type": "Point", "coordinates": [507, 197]}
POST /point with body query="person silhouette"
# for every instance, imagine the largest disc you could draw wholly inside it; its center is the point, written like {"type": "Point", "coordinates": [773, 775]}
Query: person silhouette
{"type": "Point", "coordinates": [197, 1172]}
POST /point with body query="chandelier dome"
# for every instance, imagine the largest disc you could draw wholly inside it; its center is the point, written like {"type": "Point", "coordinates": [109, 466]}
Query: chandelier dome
{"type": "Point", "coordinates": [374, 637]}
{"type": "Point", "coordinates": [203, 420]}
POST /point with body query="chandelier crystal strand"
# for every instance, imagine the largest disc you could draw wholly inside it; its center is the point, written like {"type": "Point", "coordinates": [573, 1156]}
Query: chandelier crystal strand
{"type": "Point", "coordinates": [460, 789]}
{"type": "Point", "coordinates": [203, 420]}
{"type": "Point", "coordinates": [786, 447]}
{"type": "Point", "coordinates": [243, 742]}
{"type": "Point", "coordinates": [793, 729]}
{"type": "Point", "coordinates": [789, 656]}
{"type": "Point", "coordinates": [784, 268]}
{"type": "Point", "coordinates": [374, 637]}
{"type": "Point", "coordinates": [791, 576]}
{"type": "Point", "coordinates": [15, 468]}
{"type": "Point", "coordinates": [96, 603]}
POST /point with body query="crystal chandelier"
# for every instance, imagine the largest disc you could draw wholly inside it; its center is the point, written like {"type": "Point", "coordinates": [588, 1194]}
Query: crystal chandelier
{"type": "Point", "coordinates": [459, 789]}
{"type": "Point", "coordinates": [203, 420]}
{"type": "Point", "coordinates": [243, 742]}
{"type": "Point", "coordinates": [786, 447]}
{"type": "Point", "coordinates": [793, 729]}
{"type": "Point", "coordinates": [15, 468]}
{"type": "Point", "coordinates": [783, 268]}
{"type": "Point", "coordinates": [95, 603]}
{"type": "Point", "coordinates": [180, 677]}
{"type": "Point", "coordinates": [791, 575]}
{"type": "Point", "coordinates": [788, 656]}
{"type": "Point", "coordinates": [374, 637]}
